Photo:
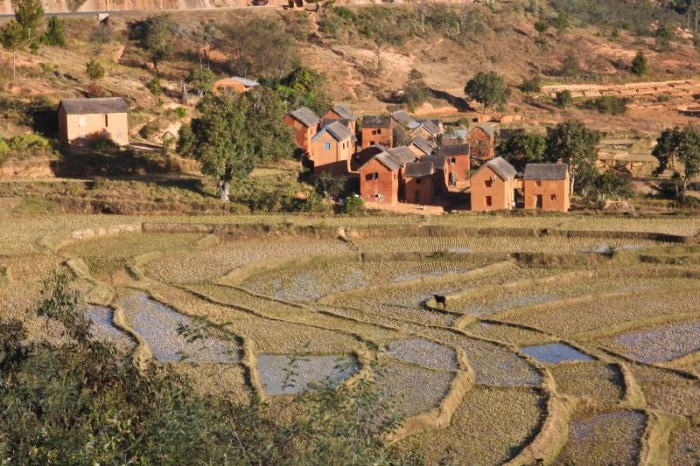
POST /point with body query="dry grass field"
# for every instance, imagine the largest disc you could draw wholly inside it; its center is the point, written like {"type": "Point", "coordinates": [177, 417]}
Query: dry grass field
{"type": "Point", "coordinates": [529, 321]}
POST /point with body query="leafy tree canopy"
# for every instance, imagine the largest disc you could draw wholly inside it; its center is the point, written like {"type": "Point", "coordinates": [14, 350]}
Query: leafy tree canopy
{"type": "Point", "coordinates": [305, 87]}
{"type": "Point", "coordinates": [55, 34]}
{"type": "Point", "coordinates": [488, 89]}
{"type": "Point", "coordinates": [679, 150]}
{"type": "Point", "coordinates": [574, 144]}
{"type": "Point", "coordinates": [235, 132]}
{"type": "Point", "coordinates": [640, 65]}
{"type": "Point", "coordinates": [523, 148]}
{"type": "Point", "coordinates": [29, 14]}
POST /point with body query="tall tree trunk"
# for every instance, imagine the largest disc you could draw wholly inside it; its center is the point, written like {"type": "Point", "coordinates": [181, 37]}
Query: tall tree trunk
{"type": "Point", "coordinates": [225, 183]}
{"type": "Point", "coordinates": [571, 190]}
{"type": "Point", "coordinates": [14, 64]}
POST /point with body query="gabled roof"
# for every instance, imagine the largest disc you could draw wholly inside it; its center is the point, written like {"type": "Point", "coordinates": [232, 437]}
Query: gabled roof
{"type": "Point", "coordinates": [306, 116]}
{"type": "Point", "coordinates": [488, 129]}
{"type": "Point", "coordinates": [545, 171]}
{"type": "Point", "coordinates": [403, 153]}
{"type": "Point", "coordinates": [431, 127]}
{"type": "Point", "coordinates": [92, 106]}
{"type": "Point", "coordinates": [388, 160]}
{"type": "Point", "coordinates": [365, 155]}
{"type": "Point", "coordinates": [337, 130]}
{"type": "Point", "coordinates": [418, 169]}
{"type": "Point", "coordinates": [500, 167]}
{"type": "Point", "coordinates": [376, 121]}
{"type": "Point", "coordinates": [345, 112]}
{"type": "Point", "coordinates": [246, 82]}
{"type": "Point", "coordinates": [343, 121]}
{"type": "Point", "coordinates": [452, 150]}
{"type": "Point", "coordinates": [404, 119]}
{"type": "Point", "coordinates": [423, 144]}
{"type": "Point", "coordinates": [438, 160]}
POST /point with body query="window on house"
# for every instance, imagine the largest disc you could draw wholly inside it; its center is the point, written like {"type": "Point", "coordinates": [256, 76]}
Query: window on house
{"type": "Point", "coordinates": [453, 160]}
{"type": "Point", "coordinates": [417, 180]}
{"type": "Point", "coordinates": [327, 146]}
{"type": "Point", "coordinates": [552, 197]}
{"type": "Point", "coordinates": [106, 120]}
{"type": "Point", "coordinates": [488, 183]}
{"type": "Point", "coordinates": [489, 201]}
{"type": "Point", "coordinates": [379, 131]}
{"type": "Point", "coordinates": [372, 176]}
{"type": "Point", "coordinates": [82, 122]}
{"type": "Point", "coordinates": [538, 184]}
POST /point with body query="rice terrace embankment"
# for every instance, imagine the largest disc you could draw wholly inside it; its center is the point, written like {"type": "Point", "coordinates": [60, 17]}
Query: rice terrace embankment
{"type": "Point", "coordinates": [556, 339]}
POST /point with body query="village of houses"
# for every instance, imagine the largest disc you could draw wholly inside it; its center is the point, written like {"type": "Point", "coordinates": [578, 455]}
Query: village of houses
{"type": "Point", "coordinates": [430, 164]}
{"type": "Point", "coordinates": [433, 163]}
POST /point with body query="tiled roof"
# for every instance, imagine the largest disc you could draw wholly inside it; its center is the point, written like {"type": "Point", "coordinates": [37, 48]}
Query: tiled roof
{"type": "Point", "coordinates": [376, 121]}
{"type": "Point", "coordinates": [404, 119]}
{"type": "Point", "coordinates": [345, 112]}
{"type": "Point", "coordinates": [502, 168]}
{"type": "Point", "coordinates": [388, 160]}
{"type": "Point", "coordinates": [431, 127]}
{"type": "Point", "coordinates": [545, 171]}
{"type": "Point", "coordinates": [96, 105]}
{"type": "Point", "coordinates": [423, 144]}
{"type": "Point", "coordinates": [337, 130]}
{"type": "Point", "coordinates": [418, 169]}
{"type": "Point", "coordinates": [451, 150]}
{"type": "Point", "coordinates": [403, 153]}
{"type": "Point", "coordinates": [306, 116]}
{"type": "Point", "coordinates": [488, 129]}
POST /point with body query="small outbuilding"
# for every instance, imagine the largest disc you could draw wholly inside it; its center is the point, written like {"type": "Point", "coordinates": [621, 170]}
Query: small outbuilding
{"type": "Point", "coordinates": [80, 120]}
{"type": "Point", "coordinates": [376, 129]}
{"type": "Point", "coordinates": [234, 84]}
{"type": "Point", "coordinates": [305, 123]}
{"type": "Point", "coordinates": [493, 186]}
{"type": "Point", "coordinates": [547, 186]}
{"type": "Point", "coordinates": [379, 179]}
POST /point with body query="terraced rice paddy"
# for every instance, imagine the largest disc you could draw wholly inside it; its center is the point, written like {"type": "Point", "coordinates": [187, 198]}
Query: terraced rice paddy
{"type": "Point", "coordinates": [286, 375]}
{"type": "Point", "coordinates": [604, 439]}
{"type": "Point", "coordinates": [552, 353]}
{"type": "Point", "coordinates": [158, 325]}
{"type": "Point", "coordinates": [369, 300]}
{"type": "Point", "coordinates": [661, 343]}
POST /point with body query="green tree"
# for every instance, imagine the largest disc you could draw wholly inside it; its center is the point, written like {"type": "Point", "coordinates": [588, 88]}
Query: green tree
{"type": "Point", "coordinates": [201, 79]}
{"type": "Point", "coordinates": [305, 87]}
{"type": "Point", "coordinates": [157, 36]}
{"type": "Point", "coordinates": [29, 14]}
{"type": "Point", "coordinates": [488, 89]}
{"type": "Point", "coordinates": [640, 65]}
{"type": "Point", "coordinates": [523, 148]}
{"type": "Point", "coordinates": [94, 70]}
{"type": "Point", "coordinates": [54, 34]}
{"type": "Point", "coordinates": [570, 66]}
{"type": "Point", "coordinates": [574, 144]}
{"type": "Point", "coordinates": [564, 99]}
{"type": "Point", "coordinates": [679, 150]}
{"type": "Point", "coordinates": [14, 38]}
{"type": "Point", "coordinates": [415, 91]}
{"type": "Point", "coordinates": [613, 185]}
{"type": "Point", "coordinates": [234, 133]}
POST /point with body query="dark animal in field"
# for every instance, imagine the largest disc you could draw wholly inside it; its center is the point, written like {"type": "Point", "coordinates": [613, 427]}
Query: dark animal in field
{"type": "Point", "coordinates": [441, 299]}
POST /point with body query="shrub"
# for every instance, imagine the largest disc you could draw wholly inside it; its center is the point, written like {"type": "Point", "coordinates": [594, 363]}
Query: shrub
{"type": "Point", "coordinates": [531, 86]}
{"type": "Point", "coordinates": [609, 105]}
{"type": "Point", "coordinates": [564, 99]}
{"type": "Point", "coordinates": [353, 205]}
{"type": "Point", "coordinates": [54, 34]}
{"type": "Point", "coordinates": [640, 65]}
{"type": "Point", "coordinates": [94, 70]}
{"type": "Point", "coordinates": [155, 86]}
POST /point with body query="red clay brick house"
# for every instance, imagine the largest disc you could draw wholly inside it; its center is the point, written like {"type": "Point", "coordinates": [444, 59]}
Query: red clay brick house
{"type": "Point", "coordinates": [546, 186]}
{"type": "Point", "coordinates": [458, 162]}
{"type": "Point", "coordinates": [379, 179]}
{"type": "Point", "coordinates": [418, 183]}
{"type": "Point", "coordinates": [493, 186]}
{"type": "Point", "coordinates": [377, 130]}
{"type": "Point", "coordinates": [455, 136]}
{"type": "Point", "coordinates": [429, 129]}
{"type": "Point", "coordinates": [305, 124]}
{"type": "Point", "coordinates": [332, 149]}
{"type": "Point", "coordinates": [441, 175]}
{"type": "Point", "coordinates": [342, 112]}
{"type": "Point", "coordinates": [482, 139]}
